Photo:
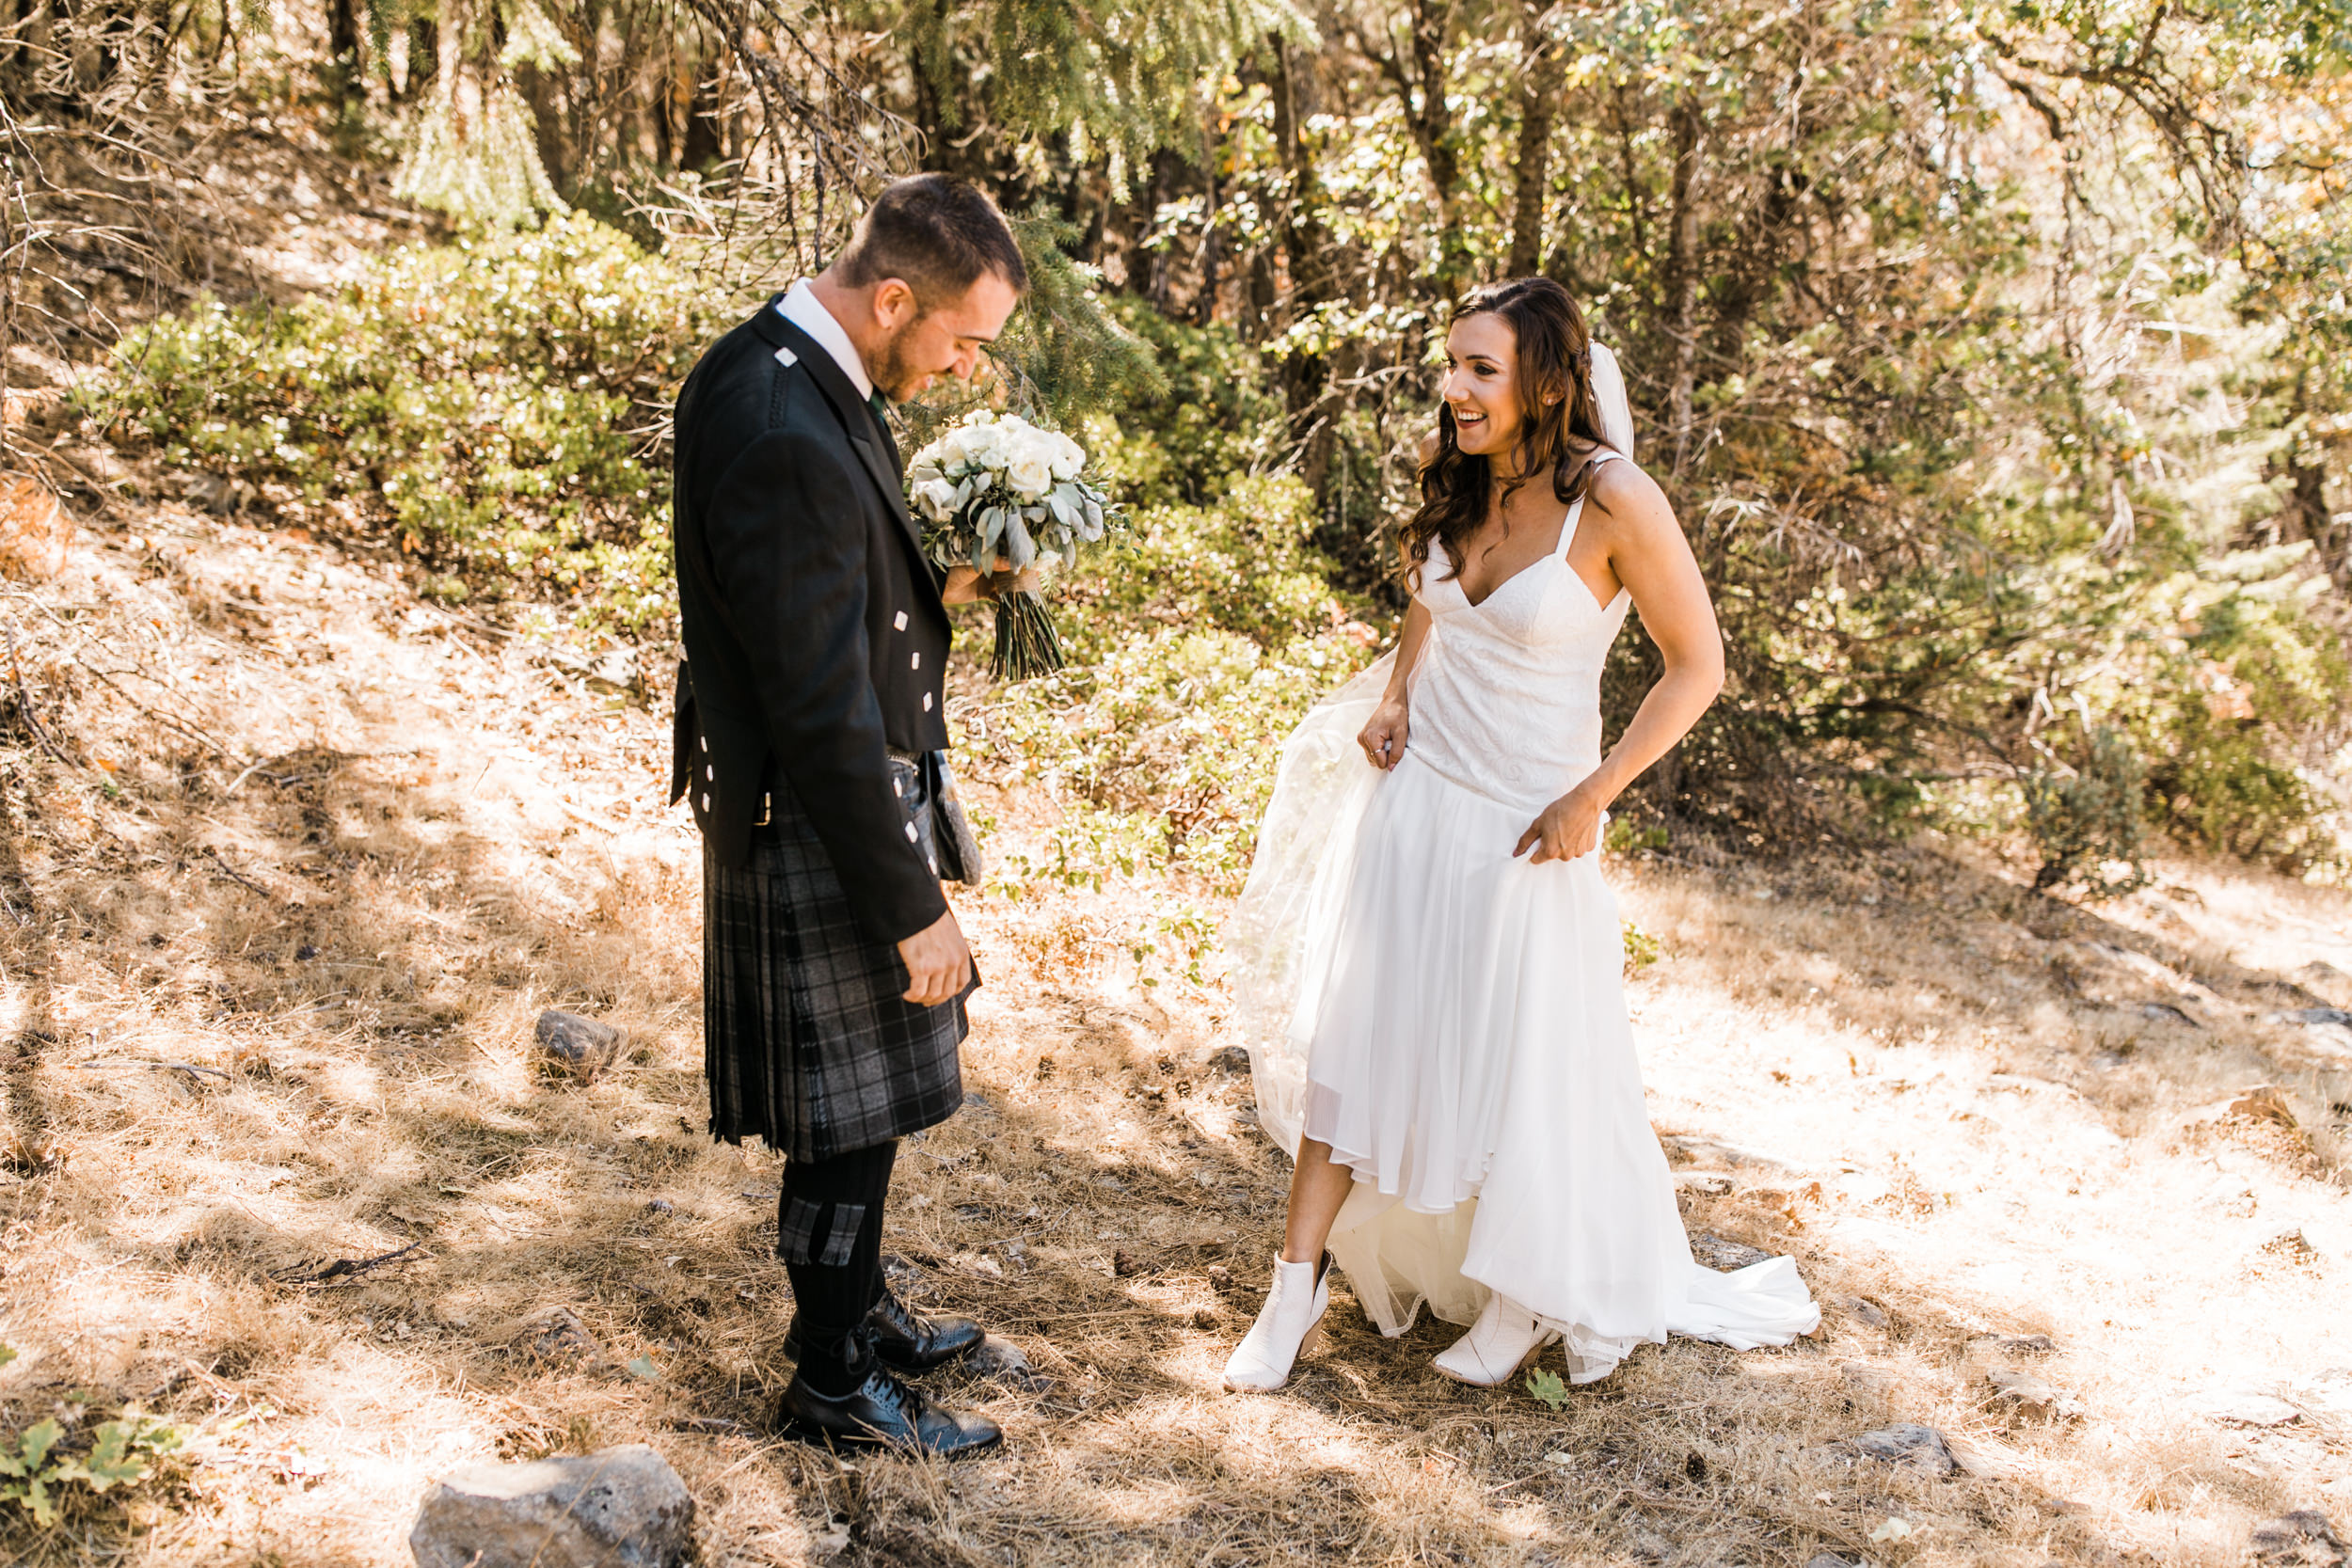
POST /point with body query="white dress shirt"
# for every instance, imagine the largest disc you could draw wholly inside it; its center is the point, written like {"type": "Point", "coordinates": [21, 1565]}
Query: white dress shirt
{"type": "Point", "coordinates": [803, 310]}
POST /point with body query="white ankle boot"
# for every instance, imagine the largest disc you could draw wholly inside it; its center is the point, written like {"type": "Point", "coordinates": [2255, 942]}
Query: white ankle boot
{"type": "Point", "coordinates": [1288, 1326]}
{"type": "Point", "coordinates": [1504, 1339]}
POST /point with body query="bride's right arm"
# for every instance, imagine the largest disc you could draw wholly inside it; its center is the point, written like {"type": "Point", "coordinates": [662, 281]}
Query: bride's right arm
{"type": "Point", "coordinates": [1383, 738]}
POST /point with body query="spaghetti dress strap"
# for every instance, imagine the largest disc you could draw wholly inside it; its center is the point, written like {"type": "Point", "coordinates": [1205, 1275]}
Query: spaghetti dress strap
{"type": "Point", "coordinates": [1576, 513]}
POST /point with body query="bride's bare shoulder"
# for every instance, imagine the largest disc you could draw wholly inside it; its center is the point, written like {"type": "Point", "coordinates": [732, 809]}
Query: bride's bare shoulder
{"type": "Point", "coordinates": [1623, 489]}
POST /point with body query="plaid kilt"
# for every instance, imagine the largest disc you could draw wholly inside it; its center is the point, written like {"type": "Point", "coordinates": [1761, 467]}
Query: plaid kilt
{"type": "Point", "coordinates": [807, 1040]}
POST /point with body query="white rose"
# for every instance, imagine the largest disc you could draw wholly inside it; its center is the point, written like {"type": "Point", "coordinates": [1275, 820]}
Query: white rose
{"type": "Point", "coordinates": [937, 497]}
{"type": "Point", "coordinates": [984, 444]}
{"type": "Point", "coordinates": [1068, 457]}
{"type": "Point", "coordinates": [1030, 473]}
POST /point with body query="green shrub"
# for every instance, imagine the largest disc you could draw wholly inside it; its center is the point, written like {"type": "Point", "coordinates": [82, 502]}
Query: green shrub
{"type": "Point", "coordinates": [1212, 420]}
{"type": "Point", "coordinates": [38, 1471]}
{"type": "Point", "coordinates": [484, 402]}
{"type": "Point", "coordinates": [2088, 821]}
{"type": "Point", "coordinates": [1194, 651]}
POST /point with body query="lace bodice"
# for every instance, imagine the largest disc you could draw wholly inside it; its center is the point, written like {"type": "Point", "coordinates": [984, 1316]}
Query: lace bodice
{"type": "Point", "coordinates": [1507, 700]}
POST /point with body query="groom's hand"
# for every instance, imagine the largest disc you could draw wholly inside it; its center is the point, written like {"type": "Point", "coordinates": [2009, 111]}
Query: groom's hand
{"type": "Point", "coordinates": [968, 586]}
{"type": "Point", "coordinates": [939, 965]}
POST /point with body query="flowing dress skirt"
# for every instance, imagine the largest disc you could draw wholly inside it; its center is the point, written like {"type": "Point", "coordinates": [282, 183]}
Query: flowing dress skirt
{"type": "Point", "coordinates": [1466, 1051]}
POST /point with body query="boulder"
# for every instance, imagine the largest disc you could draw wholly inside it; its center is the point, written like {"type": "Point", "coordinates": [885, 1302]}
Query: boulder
{"type": "Point", "coordinates": [617, 1507]}
{"type": "Point", "coordinates": [583, 1047]}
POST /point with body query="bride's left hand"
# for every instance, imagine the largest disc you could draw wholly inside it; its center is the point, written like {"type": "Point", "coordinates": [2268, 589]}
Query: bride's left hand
{"type": "Point", "coordinates": [1569, 829]}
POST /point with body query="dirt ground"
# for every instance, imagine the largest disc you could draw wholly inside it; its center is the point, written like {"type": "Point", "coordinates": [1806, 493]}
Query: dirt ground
{"type": "Point", "coordinates": [293, 860]}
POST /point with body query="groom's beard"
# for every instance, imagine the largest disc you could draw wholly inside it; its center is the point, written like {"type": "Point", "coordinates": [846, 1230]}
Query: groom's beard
{"type": "Point", "coordinates": [892, 376]}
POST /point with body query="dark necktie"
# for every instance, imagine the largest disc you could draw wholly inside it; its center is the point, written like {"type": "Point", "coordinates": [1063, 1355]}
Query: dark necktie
{"type": "Point", "coordinates": [880, 406]}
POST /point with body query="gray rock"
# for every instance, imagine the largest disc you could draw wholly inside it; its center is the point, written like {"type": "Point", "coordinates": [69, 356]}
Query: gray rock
{"type": "Point", "coordinates": [557, 1335]}
{"type": "Point", "coordinates": [583, 1047]}
{"type": "Point", "coordinates": [1865, 1312]}
{"type": "Point", "coordinates": [2290, 1247]}
{"type": "Point", "coordinates": [618, 1508]}
{"type": "Point", "coordinates": [1917, 1447]}
{"type": "Point", "coordinates": [2326, 1396]}
{"type": "Point", "coordinates": [2326, 981]}
{"type": "Point", "coordinates": [2252, 1407]}
{"type": "Point", "coordinates": [1723, 1254]}
{"type": "Point", "coordinates": [1002, 1359]}
{"type": "Point", "coordinates": [1232, 1060]}
{"type": "Point", "coordinates": [2313, 1018]}
{"type": "Point", "coordinates": [2305, 1537]}
{"type": "Point", "coordinates": [2023, 1392]}
{"type": "Point", "coordinates": [2027, 1344]}
{"type": "Point", "coordinates": [1710, 1151]}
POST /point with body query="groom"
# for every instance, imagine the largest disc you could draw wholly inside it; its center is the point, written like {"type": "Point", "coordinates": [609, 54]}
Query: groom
{"type": "Point", "coordinates": [810, 739]}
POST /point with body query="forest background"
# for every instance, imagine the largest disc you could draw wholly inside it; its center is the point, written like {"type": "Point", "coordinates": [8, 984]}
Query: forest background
{"type": "Point", "coordinates": [1994, 356]}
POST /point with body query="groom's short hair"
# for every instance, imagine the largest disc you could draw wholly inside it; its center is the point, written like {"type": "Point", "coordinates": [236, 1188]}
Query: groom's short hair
{"type": "Point", "coordinates": [935, 233]}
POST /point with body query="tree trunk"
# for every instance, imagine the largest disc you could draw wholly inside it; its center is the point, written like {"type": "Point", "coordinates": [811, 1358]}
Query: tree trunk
{"type": "Point", "coordinates": [1419, 76]}
{"type": "Point", "coordinates": [347, 73]}
{"type": "Point", "coordinates": [1539, 96]}
{"type": "Point", "coordinates": [1306, 253]}
{"type": "Point", "coordinates": [2308, 503]}
{"type": "Point", "coordinates": [1682, 276]}
{"type": "Point", "coordinates": [1433, 128]}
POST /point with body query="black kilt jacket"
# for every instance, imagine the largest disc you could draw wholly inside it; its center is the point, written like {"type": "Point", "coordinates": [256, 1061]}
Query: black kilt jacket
{"type": "Point", "coordinates": [815, 648]}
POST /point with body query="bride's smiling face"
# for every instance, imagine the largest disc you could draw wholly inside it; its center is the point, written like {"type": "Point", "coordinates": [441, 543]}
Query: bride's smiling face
{"type": "Point", "coordinates": [1482, 388]}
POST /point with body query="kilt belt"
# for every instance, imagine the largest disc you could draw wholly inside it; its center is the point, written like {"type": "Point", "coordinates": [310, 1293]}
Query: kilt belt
{"type": "Point", "coordinates": [809, 1043]}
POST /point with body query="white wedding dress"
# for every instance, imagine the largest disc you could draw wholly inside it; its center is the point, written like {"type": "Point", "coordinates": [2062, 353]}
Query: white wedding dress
{"type": "Point", "coordinates": [1451, 1021]}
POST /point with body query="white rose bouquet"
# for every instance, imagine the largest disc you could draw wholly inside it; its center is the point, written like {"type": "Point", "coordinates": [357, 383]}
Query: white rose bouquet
{"type": "Point", "coordinates": [996, 487]}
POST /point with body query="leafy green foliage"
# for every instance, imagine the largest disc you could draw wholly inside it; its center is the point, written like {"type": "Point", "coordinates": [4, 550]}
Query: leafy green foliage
{"type": "Point", "coordinates": [1195, 650]}
{"type": "Point", "coordinates": [485, 403]}
{"type": "Point", "coordinates": [1113, 74]}
{"type": "Point", "coordinates": [1065, 351]}
{"type": "Point", "coordinates": [2087, 820]}
{"type": "Point", "coordinates": [1549, 1388]}
{"type": "Point", "coordinates": [36, 1470]}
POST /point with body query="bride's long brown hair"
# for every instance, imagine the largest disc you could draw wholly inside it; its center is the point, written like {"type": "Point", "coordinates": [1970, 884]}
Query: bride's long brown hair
{"type": "Point", "coordinates": [1555, 390]}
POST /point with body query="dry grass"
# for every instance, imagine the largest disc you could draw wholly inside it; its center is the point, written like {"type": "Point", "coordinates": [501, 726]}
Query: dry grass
{"type": "Point", "coordinates": [339, 850]}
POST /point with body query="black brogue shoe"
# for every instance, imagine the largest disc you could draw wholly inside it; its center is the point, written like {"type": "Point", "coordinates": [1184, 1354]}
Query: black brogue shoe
{"type": "Point", "coordinates": [881, 1413]}
{"type": "Point", "coordinates": [904, 1338]}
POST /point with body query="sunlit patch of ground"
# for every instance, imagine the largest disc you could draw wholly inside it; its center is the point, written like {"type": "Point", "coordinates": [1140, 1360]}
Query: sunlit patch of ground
{"type": "Point", "coordinates": [331, 851]}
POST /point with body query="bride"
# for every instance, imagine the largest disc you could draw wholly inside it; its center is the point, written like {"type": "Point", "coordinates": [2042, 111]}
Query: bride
{"type": "Point", "coordinates": [1427, 954]}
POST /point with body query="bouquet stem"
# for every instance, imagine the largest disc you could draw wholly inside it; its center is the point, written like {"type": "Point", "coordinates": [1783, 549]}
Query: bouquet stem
{"type": "Point", "coordinates": [1026, 645]}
